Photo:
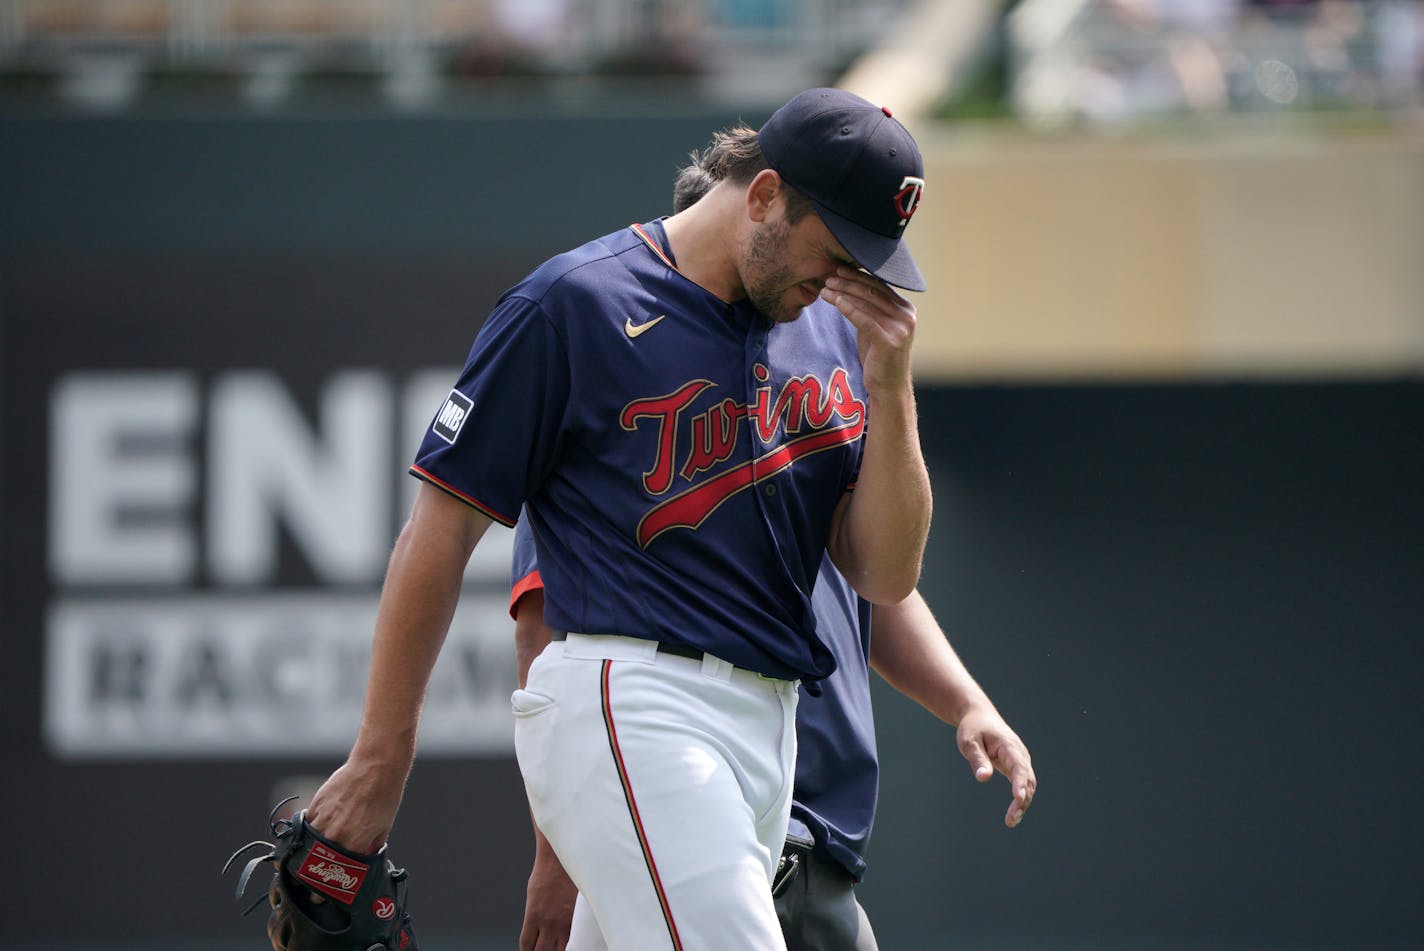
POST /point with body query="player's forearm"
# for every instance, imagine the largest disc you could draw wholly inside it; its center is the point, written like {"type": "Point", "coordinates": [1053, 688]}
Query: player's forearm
{"type": "Point", "coordinates": [543, 851]}
{"type": "Point", "coordinates": [411, 624]}
{"type": "Point", "coordinates": [418, 600]}
{"type": "Point", "coordinates": [880, 540]}
{"type": "Point", "coordinates": [531, 635]}
{"type": "Point", "coordinates": [909, 649]}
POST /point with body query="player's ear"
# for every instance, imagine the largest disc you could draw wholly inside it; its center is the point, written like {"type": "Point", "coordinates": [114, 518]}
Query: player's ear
{"type": "Point", "coordinates": [762, 194]}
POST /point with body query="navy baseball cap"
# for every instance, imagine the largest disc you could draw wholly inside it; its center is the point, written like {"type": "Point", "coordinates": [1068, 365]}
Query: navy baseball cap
{"type": "Point", "coordinates": [861, 169]}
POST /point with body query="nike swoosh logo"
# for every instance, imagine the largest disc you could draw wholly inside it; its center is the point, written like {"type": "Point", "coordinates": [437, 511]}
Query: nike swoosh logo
{"type": "Point", "coordinates": [634, 330]}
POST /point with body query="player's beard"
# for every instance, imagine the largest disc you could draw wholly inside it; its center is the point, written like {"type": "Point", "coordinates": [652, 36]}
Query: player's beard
{"type": "Point", "coordinates": [767, 276]}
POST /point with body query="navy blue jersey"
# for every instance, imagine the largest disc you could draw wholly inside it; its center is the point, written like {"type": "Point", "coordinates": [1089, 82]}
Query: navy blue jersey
{"type": "Point", "coordinates": [679, 458]}
{"type": "Point", "coordinates": [837, 771]}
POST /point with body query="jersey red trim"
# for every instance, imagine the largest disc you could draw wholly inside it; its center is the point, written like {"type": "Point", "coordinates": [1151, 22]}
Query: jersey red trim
{"type": "Point", "coordinates": [654, 245]}
{"type": "Point", "coordinates": [633, 809]}
{"type": "Point", "coordinates": [474, 503]}
{"type": "Point", "coordinates": [530, 582]}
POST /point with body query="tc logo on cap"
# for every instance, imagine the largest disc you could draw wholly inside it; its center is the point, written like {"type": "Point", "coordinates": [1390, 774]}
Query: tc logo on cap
{"type": "Point", "coordinates": [907, 199]}
{"type": "Point", "coordinates": [848, 156]}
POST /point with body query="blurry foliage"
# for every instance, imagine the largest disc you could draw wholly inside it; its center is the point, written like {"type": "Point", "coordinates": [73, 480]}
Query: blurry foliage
{"type": "Point", "coordinates": [985, 92]}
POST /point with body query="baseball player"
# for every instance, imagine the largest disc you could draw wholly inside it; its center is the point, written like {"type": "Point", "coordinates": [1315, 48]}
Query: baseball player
{"type": "Point", "coordinates": [683, 408]}
{"type": "Point", "coordinates": [836, 770]}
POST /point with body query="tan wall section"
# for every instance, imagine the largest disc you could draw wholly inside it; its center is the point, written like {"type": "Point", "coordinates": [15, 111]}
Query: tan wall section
{"type": "Point", "coordinates": [1230, 254]}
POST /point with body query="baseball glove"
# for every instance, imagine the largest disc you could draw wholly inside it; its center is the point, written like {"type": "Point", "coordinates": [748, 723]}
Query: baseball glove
{"type": "Point", "coordinates": [324, 897]}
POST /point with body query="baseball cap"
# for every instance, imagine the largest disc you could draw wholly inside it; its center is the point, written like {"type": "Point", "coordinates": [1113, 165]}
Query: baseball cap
{"type": "Point", "coordinates": [861, 169]}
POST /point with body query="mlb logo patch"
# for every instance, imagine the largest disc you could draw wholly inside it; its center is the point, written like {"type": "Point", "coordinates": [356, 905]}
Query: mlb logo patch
{"type": "Point", "coordinates": [452, 416]}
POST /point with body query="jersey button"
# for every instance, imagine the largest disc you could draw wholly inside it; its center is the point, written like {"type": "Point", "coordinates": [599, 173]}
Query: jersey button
{"type": "Point", "coordinates": [769, 490]}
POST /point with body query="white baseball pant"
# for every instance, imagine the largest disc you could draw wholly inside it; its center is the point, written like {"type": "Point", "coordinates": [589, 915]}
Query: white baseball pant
{"type": "Point", "coordinates": [663, 783]}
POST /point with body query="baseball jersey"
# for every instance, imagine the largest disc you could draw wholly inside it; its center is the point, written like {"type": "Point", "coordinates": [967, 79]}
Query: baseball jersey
{"type": "Point", "coordinates": [837, 769]}
{"type": "Point", "coordinates": [678, 457]}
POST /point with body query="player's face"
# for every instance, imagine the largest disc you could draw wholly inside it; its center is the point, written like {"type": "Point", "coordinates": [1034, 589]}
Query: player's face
{"type": "Point", "coordinates": [786, 265]}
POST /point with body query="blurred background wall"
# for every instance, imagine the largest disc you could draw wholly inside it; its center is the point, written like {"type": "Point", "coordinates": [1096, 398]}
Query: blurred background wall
{"type": "Point", "coordinates": [1168, 375]}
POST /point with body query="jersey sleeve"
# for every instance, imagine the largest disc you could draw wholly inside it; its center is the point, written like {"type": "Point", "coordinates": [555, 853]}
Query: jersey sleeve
{"type": "Point", "coordinates": [495, 437]}
{"type": "Point", "coordinates": [524, 567]}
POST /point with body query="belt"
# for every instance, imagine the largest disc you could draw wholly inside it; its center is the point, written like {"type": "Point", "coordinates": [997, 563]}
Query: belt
{"type": "Point", "coordinates": [664, 647]}
{"type": "Point", "coordinates": [789, 865]}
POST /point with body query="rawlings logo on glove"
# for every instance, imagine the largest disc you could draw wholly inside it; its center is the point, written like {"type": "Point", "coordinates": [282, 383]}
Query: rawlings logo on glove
{"type": "Point", "coordinates": [328, 873]}
{"type": "Point", "coordinates": [368, 913]}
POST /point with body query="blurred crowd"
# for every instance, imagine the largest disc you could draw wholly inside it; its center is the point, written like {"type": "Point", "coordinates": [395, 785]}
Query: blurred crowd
{"type": "Point", "coordinates": [268, 48]}
{"type": "Point", "coordinates": [1108, 61]}
{"type": "Point", "coordinates": [1101, 61]}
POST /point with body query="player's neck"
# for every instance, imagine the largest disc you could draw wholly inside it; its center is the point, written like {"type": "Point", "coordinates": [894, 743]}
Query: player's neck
{"type": "Point", "coordinates": [704, 240]}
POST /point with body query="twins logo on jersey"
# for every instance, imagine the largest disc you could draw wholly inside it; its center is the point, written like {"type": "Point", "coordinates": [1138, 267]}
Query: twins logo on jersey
{"type": "Point", "coordinates": [814, 415]}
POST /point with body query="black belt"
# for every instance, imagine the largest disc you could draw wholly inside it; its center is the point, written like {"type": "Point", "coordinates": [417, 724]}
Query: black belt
{"type": "Point", "coordinates": [796, 852]}
{"type": "Point", "coordinates": [665, 647]}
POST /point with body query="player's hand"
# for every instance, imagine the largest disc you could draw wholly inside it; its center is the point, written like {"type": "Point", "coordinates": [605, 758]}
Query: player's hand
{"type": "Point", "coordinates": [884, 323]}
{"type": "Point", "coordinates": [357, 805]}
{"type": "Point", "coordinates": [548, 904]}
{"type": "Point", "coordinates": [988, 744]}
